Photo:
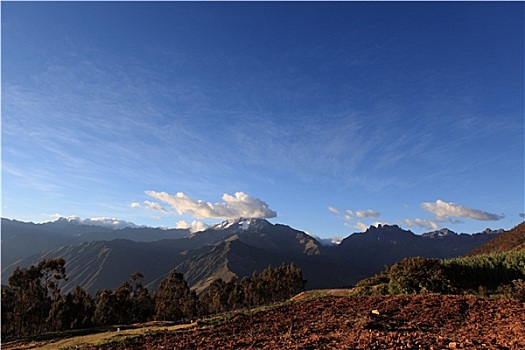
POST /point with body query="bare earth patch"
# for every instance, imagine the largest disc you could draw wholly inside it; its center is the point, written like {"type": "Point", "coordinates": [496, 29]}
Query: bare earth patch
{"type": "Point", "coordinates": [400, 322]}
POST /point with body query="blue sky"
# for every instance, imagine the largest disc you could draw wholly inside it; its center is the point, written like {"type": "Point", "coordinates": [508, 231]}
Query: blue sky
{"type": "Point", "coordinates": [328, 117]}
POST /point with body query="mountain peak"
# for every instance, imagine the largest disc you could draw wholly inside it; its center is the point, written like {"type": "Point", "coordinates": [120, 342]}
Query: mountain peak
{"type": "Point", "coordinates": [241, 224]}
{"type": "Point", "coordinates": [384, 228]}
{"type": "Point", "coordinates": [489, 231]}
{"type": "Point", "coordinates": [444, 232]}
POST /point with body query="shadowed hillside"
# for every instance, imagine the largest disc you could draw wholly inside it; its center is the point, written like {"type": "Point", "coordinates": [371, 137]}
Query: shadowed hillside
{"type": "Point", "coordinates": [234, 248]}
{"type": "Point", "coordinates": [511, 240]}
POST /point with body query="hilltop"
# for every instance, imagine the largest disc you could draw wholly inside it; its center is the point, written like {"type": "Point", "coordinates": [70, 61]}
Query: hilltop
{"type": "Point", "coordinates": [512, 240]}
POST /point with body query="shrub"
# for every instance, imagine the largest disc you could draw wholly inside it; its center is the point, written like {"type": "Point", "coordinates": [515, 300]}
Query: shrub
{"type": "Point", "coordinates": [418, 275]}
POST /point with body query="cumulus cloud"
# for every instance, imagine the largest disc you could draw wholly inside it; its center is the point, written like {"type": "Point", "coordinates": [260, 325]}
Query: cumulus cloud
{"type": "Point", "coordinates": [194, 226]}
{"type": "Point", "coordinates": [443, 211]}
{"type": "Point", "coordinates": [428, 224]}
{"type": "Point", "coordinates": [349, 212]}
{"type": "Point", "coordinates": [361, 226]}
{"type": "Point", "coordinates": [334, 210]}
{"type": "Point", "coordinates": [102, 221]}
{"type": "Point", "coordinates": [134, 205]}
{"type": "Point", "coordinates": [232, 207]}
{"type": "Point", "coordinates": [367, 214]}
{"type": "Point", "coordinates": [155, 206]}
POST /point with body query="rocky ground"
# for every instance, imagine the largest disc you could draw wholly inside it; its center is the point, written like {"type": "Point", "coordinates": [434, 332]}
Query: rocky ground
{"type": "Point", "coordinates": [399, 322]}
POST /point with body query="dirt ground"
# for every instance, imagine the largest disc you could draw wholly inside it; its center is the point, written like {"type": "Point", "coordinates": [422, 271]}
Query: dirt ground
{"type": "Point", "coordinates": [399, 322]}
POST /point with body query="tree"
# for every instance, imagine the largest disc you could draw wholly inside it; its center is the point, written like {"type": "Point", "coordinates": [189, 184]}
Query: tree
{"type": "Point", "coordinates": [105, 313]}
{"type": "Point", "coordinates": [114, 307]}
{"type": "Point", "coordinates": [34, 290]}
{"type": "Point", "coordinates": [142, 304]}
{"type": "Point", "coordinates": [128, 303]}
{"type": "Point", "coordinates": [84, 307]}
{"type": "Point", "coordinates": [215, 299]}
{"type": "Point", "coordinates": [122, 297]}
{"type": "Point", "coordinates": [174, 300]}
{"type": "Point", "coordinates": [8, 308]}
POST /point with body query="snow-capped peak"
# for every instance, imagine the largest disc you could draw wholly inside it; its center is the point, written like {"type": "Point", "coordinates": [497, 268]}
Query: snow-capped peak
{"type": "Point", "coordinates": [241, 224]}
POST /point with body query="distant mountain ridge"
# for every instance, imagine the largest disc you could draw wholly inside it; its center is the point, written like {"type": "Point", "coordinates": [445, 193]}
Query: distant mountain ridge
{"type": "Point", "coordinates": [235, 248]}
{"type": "Point", "coordinates": [22, 239]}
{"type": "Point", "coordinates": [372, 250]}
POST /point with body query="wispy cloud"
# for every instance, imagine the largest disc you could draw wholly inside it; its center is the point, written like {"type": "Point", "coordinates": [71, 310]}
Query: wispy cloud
{"type": "Point", "coordinates": [134, 205]}
{"type": "Point", "coordinates": [155, 206]}
{"type": "Point", "coordinates": [367, 214]}
{"type": "Point", "coordinates": [443, 211]}
{"type": "Point", "coordinates": [348, 214]}
{"type": "Point", "coordinates": [238, 205]}
{"type": "Point", "coordinates": [361, 226]}
{"type": "Point", "coordinates": [351, 215]}
{"type": "Point", "coordinates": [428, 224]}
{"type": "Point", "coordinates": [334, 210]}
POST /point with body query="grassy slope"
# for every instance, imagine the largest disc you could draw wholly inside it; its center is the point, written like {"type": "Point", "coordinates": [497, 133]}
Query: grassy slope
{"type": "Point", "coordinates": [71, 340]}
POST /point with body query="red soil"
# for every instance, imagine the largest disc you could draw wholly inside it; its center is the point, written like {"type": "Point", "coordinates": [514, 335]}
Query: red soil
{"type": "Point", "coordinates": [398, 322]}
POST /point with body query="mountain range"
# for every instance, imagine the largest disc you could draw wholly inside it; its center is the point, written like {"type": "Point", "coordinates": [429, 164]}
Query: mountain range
{"type": "Point", "coordinates": [99, 257]}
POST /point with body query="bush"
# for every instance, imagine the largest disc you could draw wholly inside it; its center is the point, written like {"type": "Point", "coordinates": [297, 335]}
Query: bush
{"type": "Point", "coordinates": [515, 290]}
{"type": "Point", "coordinates": [418, 275]}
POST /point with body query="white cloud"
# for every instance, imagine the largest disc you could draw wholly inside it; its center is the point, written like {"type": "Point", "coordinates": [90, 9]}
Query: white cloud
{"type": "Point", "coordinates": [195, 226]}
{"type": "Point", "coordinates": [155, 206]}
{"type": "Point", "coordinates": [361, 226]}
{"type": "Point", "coordinates": [377, 223]}
{"type": "Point", "coordinates": [232, 207]}
{"type": "Point", "coordinates": [360, 213]}
{"type": "Point", "coordinates": [334, 210]}
{"type": "Point", "coordinates": [367, 214]}
{"type": "Point", "coordinates": [102, 221]}
{"type": "Point", "coordinates": [443, 211]}
{"type": "Point", "coordinates": [134, 205]}
{"type": "Point", "coordinates": [428, 224]}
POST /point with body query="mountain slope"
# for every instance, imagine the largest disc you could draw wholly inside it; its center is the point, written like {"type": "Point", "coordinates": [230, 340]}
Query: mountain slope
{"type": "Point", "coordinates": [106, 264]}
{"type": "Point", "coordinates": [252, 245]}
{"type": "Point", "coordinates": [239, 247]}
{"type": "Point", "coordinates": [511, 240]}
{"type": "Point", "coordinates": [369, 252]}
{"type": "Point", "coordinates": [22, 239]}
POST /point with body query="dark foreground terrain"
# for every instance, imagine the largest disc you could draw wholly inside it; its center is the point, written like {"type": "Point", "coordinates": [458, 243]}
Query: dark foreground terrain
{"type": "Point", "coordinates": [332, 322]}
